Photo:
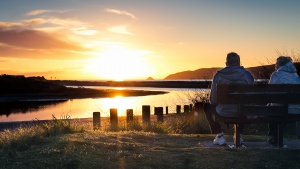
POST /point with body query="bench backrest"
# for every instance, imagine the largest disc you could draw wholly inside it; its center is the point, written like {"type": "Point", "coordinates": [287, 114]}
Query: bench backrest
{"type": "Point", "coordinates": [258, 93]}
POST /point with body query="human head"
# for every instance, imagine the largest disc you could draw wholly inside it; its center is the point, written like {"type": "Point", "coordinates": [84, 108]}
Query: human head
{"type": "Point", "coordinates": [233, 59]}
{"type": "Point", "coordinates": [282, 60]}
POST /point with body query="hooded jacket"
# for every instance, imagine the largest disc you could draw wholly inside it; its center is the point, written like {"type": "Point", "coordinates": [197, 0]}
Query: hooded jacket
{"type": "Point", "coordinates": [229, 75]}
{"type": "Point", "coordinates": [287, 74]}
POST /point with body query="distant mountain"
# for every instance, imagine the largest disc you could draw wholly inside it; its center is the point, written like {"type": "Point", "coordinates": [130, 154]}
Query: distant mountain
{"type": "Point", "coordinates": [259, 72]}
{"type": "Point", "coordinates": [149, 78]}
{"type": "Point", "coordinates": [203, 73]}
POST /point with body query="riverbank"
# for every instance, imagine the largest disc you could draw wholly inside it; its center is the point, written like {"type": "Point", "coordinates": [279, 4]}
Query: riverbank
{"type": "Point", "coordinates": [75, 93]}
{"type": "Point", "coordinates": [142, 83]}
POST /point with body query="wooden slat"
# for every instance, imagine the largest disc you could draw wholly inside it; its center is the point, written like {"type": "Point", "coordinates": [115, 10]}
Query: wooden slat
{"type": "Point", "coordinates": [261, 110]}
{"type": "Point", "coordinates": [291, 88]}
{"type": "Point", "coordinates": [257, 93]}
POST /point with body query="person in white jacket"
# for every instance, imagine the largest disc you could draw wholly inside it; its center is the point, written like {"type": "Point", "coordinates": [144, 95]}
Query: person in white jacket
{"type": "Point", "coordinates": [232, 73]}
{"type": "Point", "coordinates": [285, 73]}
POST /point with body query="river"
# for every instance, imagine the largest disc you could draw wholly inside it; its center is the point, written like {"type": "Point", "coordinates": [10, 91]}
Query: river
{"type": "Point", "coordinates": [84, 108]}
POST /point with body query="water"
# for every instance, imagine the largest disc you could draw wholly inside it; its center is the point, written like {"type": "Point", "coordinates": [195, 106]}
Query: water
{"type": "Point", "coordinates": [84, 108]}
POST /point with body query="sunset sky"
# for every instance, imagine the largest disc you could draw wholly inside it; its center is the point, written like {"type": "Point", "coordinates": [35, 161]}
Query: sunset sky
{"type": "Point", "coordinates": [137, 39]}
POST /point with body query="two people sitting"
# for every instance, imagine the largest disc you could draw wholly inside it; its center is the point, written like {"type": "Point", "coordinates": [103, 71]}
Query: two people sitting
{"type": "Point", "coordinates": [235, 73]}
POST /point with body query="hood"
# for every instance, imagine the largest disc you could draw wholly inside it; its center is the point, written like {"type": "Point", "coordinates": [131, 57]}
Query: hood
{"type": "Point", "coordinates": [288, 67]}
{"type": "Point", "coordinates": [232, 73]}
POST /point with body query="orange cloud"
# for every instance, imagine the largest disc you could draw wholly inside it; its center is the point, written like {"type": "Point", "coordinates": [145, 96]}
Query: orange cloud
{"type": "Point", "coordinates": [41, 11]}
{"type": "Point", "coordinates": [34, 40]}
{"type": "Point", "coordinates": [120, 30]}
{"type": "Point", "coordinates": [119, 12]}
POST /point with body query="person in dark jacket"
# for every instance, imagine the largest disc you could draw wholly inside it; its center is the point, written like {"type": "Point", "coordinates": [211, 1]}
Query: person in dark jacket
{"type": "Point", "coordinates": [232, 73]}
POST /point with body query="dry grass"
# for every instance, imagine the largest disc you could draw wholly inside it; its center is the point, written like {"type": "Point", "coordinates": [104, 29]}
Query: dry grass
{"type": "Point", "coordinates": [74, 144]}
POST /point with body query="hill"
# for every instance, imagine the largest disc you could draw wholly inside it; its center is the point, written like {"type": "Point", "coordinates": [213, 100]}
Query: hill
{"type": "Point", "coordinates": [259, 72]}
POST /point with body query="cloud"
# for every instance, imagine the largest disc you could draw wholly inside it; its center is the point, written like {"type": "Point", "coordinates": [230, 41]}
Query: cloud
{"type": "Point", "coordinates": [24, 43]}
{"type": "Point", "coordinates": [33, 39]}
{"type": "Point", "coordinates": [115, 11]}
{"type": "Point", "coordinates": [84, 31]}
{"type": "Point", "coordinates": [41, 11]}
{"type": "Point", "coordinates": [22, 25]}
{"type": "Point", "coordinates": [120, 29]}
{"type": "Point", "coordinates": [65, 22]}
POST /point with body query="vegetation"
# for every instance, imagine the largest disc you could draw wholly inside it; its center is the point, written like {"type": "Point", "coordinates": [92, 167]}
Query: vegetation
{"type": "Point", "coordinates": [67, 143]}
{"type": "Point", "coordinates": [22, 84]}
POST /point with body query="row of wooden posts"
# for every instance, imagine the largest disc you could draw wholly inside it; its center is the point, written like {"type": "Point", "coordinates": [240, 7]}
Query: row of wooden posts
{"type": "Point", "coordinates": [158, 111]}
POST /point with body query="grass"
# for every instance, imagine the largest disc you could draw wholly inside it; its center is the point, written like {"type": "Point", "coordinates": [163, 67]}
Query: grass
{"type": "Point", "coordinates": [66, 143]}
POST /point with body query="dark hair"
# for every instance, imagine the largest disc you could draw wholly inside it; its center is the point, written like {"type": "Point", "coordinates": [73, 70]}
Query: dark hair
{"type": "Point", "coordinates": [282, 60]}
{"type": "Point", "coordinates": [233, 59]}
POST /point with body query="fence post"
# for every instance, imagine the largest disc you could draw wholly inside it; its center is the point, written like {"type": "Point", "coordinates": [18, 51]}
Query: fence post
{"type": "Point", "coordinates": [178, 109]}
{"type": "Point", "coordinates": [114, 118]}
{"type": "Point", "coordinates": [96, 120]}
{"type": "Point", "coordinates": [129, 113]}
{"type": "Point", "coordinates": [167, 110]}
{"type": "Point", "coordinates": [186, 109]}
{"type": "Point", "coordinates": [160, 114]}
{"type": "Point", "coordinates": [146, 114]}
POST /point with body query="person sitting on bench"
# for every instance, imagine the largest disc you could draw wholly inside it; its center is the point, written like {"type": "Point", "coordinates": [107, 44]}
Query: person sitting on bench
{"type": "Point", "coordinates": [232, 73]}
{"type": "Point", "coordinates": [285, 73]}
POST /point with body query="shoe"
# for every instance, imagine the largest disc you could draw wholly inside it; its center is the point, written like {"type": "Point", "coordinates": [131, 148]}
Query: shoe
{"type": "Point", "coordinates": [241, 139]}
{"type": "Point", "coordinates": [219, 140]}
{"type": "Point", "coordinates": [233, 146]}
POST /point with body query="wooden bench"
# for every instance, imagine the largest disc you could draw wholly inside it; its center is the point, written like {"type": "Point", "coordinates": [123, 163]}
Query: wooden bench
{"type": "Point", "coordinates": [252, 101]}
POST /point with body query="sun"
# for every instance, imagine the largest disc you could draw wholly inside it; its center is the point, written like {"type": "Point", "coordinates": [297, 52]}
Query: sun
{"type": "Point", "coordinates": [119, 63]}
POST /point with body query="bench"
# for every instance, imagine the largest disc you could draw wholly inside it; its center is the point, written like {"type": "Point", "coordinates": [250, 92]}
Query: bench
{"type": "Point", "coordinates": [252, 101]}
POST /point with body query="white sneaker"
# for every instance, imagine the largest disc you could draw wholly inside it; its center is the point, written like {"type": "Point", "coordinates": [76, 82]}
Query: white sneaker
{"type": "Point", "coordinates": [219, 140]}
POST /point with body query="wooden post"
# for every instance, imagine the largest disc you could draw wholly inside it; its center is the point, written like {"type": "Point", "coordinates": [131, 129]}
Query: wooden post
{"type": "Point", "coordinates": [146, 114]}
{"type": "Point", "coordinates": [155, 111]}
{"type": "Point", "coordinates": [178, 109]}
{"type": "Point", "coordinates": [167, 110]}
{"type": "Point", "coordinates": [96, 120]}
{"type": "Point", "coordinates": [114, 118]}
{"type": "Point", "coordinates": [129, 113]}
{"type": "Point", "coordinates": [160, 114]}
{"type": "Point", "coordinates": [186, 109]}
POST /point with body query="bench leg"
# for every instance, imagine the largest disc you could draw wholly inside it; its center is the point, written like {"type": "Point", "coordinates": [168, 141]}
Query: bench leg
{"type": "Point", "coordinates": [280, 134]}
{"type": "Point", "coordinates": [237, 133]}
{"type": "Point", "coordinates": [298, 129]}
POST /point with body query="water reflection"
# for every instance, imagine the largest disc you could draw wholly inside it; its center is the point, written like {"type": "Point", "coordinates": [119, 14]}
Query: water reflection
{"type": "Point", "coordinates": [8, 108]}
{"type": "Point", "coordinates": [84, 108]}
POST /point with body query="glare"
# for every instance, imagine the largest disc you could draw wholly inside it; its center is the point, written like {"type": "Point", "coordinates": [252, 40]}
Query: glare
{"type": "Point", "coordinates": [118, 63]}
{"type": "Point", "coordinates": [120, 103]}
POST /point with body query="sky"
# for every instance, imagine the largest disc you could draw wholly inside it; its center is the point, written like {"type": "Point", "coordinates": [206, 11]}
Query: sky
{"type": "Point", "coordinates": [137, 39]}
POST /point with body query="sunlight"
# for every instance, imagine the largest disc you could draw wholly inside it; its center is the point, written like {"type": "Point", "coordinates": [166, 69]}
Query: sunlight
{"type": "Point", "coordinates": [119, 63]}
{"type": "Point", "coordinates": [121, 103]}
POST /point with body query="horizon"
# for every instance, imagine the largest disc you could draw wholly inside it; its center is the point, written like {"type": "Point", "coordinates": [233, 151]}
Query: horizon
{"type": "Point", "coordinates": [123, 40]}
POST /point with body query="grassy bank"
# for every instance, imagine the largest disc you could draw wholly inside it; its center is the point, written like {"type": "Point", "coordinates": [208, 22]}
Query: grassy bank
{"type": "Point", "coordinates": [93, 149]}
{"type": "Point", "coordinates": [66, 143]}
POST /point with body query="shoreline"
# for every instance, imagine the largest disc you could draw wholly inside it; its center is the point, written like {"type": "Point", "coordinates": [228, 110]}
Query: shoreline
{"type": "Point", "coordinates": [105, 121]}
{"type": "Point", "coordinates": [75, 93]}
